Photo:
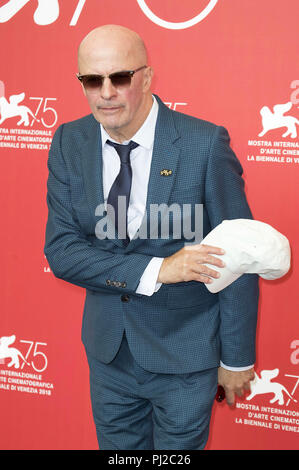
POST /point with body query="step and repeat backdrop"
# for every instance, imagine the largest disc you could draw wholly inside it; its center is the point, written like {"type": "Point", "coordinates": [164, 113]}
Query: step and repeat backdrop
{"type": "Point", "coordinates": [231, 62]}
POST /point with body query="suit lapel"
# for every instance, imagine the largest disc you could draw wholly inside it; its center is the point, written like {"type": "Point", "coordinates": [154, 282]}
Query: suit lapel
{"type": "Point", "coordinates": [92, 165]}
{"type": "Point", "coordinates": [165, 157]}
{"type": "Point", "coordinates": [93, 171]}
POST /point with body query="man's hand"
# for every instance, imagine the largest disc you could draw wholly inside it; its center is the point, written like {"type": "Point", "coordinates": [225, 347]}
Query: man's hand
{"type": "Point", "coordinates": [234, 382]}
{"type": "Point", "coordinates": [187, 264]}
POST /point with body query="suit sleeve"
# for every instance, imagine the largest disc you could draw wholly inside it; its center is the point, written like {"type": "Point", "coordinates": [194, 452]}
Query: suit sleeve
{"type": "Point", "coordinates": [225, 199]}
{"type": "Point", "coordinates": [71, 256]}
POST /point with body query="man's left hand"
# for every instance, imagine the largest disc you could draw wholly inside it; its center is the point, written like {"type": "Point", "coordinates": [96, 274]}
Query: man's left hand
{"type": "Point", "coordinates": [234, 383]}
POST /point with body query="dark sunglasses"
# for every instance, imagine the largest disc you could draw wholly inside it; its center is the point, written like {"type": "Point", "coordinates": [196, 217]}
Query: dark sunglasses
{"type": "Point", "coordinates": [92, 83]}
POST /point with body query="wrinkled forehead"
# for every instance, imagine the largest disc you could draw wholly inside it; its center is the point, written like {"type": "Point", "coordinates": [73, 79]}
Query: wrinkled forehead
{"type": "Point", "coordinates": [105, 55]}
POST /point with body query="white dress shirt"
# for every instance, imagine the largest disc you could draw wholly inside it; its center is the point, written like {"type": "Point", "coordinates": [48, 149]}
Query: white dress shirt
{"type": "Point", "coordinates": [141, 158]}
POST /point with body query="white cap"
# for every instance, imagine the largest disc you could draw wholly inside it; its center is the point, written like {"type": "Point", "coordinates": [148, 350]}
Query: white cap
{"type": "Point", "coordinates": [250, 246]}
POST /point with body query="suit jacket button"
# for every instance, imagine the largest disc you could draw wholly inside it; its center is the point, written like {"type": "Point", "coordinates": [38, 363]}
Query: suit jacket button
{"type": "Point", "coordinates": [123, 284]}
{"type": "Point", "coordinates": [108, 282]}
{"type": "Point", "coordinates": [117, 283]}
{"type": "Point", "coordinates": [125, 298]}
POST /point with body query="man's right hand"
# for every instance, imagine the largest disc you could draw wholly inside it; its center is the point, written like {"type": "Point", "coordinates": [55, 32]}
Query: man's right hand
{"type": "Point", "coordinates": [188, 264]}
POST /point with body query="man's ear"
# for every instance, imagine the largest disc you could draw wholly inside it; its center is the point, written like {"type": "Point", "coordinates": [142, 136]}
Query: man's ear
{"type": "Point", "coordinates": [83, 89]}
{"type": "Point", "coordinates": [148, 75]}
{"type": "Point", "coordinates": [82, 85]}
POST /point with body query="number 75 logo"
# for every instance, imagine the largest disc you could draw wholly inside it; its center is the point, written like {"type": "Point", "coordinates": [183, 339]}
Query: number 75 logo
{"type": "Point", "coordinates": [43, 107]}
{"type": "Point", "coordinates": [37, 357]}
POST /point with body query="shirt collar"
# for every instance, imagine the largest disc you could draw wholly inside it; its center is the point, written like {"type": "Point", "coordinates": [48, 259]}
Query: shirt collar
{"type": "Point", "coordinates": [145, 134]}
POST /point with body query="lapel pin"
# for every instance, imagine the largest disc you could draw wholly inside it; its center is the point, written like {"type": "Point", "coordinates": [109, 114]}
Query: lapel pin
{"type": "Point", "coordinates": [165, 172]}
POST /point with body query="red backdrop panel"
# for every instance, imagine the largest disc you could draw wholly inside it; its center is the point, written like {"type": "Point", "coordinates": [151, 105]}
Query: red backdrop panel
{"type": "Point", "coordinates": [235, 59]}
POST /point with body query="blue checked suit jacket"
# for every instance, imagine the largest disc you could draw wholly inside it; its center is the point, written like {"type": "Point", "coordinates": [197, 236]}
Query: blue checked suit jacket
{"type": "Point", "coordinates": [182, 327]}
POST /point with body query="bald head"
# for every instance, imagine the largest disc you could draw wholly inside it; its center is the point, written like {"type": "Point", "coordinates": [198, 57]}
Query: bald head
{"type": "Point", "coordinates": [121, 108]}
{"type": "Point", "coordinates": [105, 42]}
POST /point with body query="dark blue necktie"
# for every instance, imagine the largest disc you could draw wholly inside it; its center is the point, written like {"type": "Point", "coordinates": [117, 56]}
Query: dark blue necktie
{"type": "Point", "coordinates": [123, 181]}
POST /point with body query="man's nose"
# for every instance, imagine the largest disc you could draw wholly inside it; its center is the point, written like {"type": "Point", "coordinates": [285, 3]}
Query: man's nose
{"type": "Point", "coordinates": [107, 89]}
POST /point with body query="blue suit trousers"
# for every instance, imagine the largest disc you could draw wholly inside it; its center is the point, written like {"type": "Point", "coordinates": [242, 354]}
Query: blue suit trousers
{"type": "Point", "coordinates": [137, 409]}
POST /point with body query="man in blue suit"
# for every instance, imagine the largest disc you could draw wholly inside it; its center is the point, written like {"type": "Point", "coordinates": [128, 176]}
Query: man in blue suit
{"type": "Point", "coordinates": [156, 339]}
